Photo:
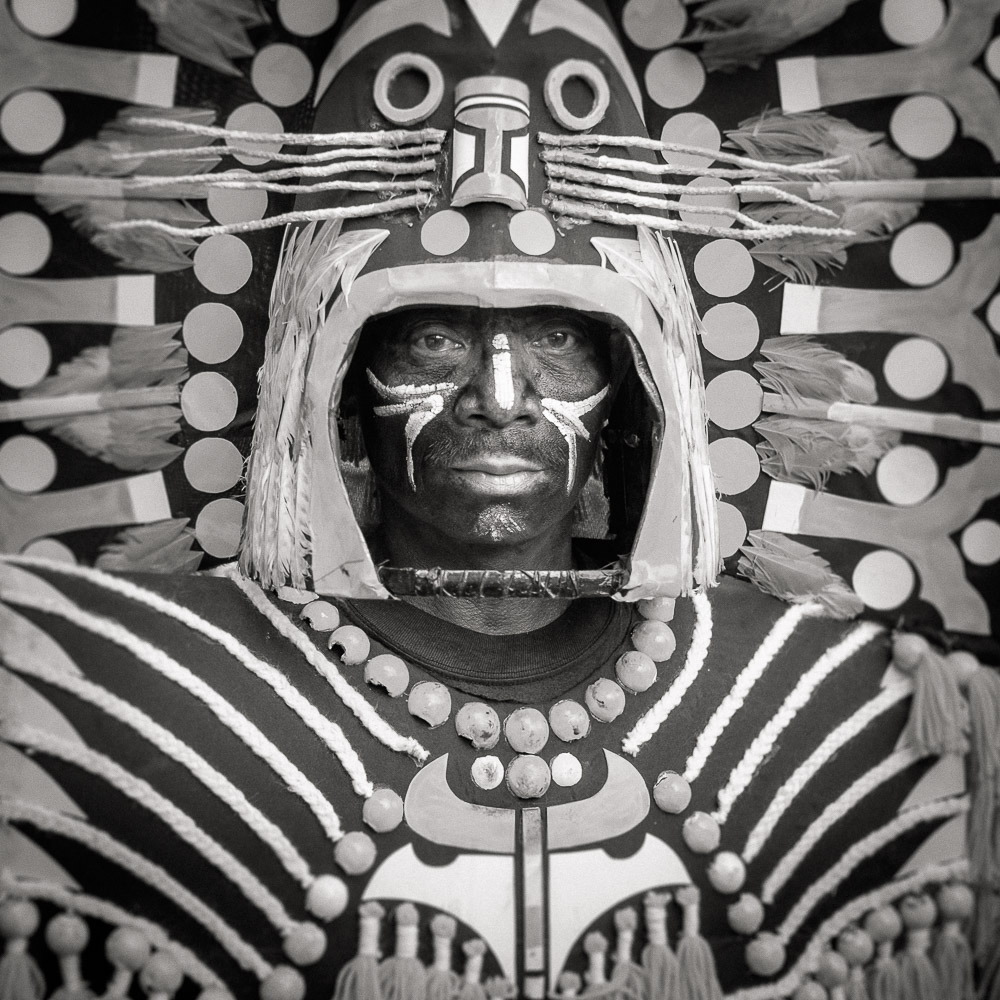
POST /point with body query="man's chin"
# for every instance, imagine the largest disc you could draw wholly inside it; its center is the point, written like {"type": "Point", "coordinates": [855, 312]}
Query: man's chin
{"type": "Point", "coordinates": [499, 524]}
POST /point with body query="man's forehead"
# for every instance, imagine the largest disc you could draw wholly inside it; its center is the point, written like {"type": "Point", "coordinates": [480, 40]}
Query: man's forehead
{"type": "Point", "coordinates": [486, 322]}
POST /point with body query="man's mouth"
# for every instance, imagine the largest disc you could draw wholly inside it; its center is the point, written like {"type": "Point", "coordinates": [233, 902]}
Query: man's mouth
{"type": "Point", "coordinates": [499, 475]}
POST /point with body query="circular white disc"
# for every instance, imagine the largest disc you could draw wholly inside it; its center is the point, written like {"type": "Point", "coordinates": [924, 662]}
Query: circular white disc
{"type": "Point", "coordinates": [915, 368]}
{"type": "Point", "coordinates": [883, 579]}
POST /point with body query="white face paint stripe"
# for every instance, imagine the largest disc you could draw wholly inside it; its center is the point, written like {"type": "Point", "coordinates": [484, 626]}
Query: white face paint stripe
{"type": "Point", "coordinates": [422, 402]}
{"type": "Point", "coordinates": [503, 382]}
{"type": "Point", "coordinates": [565, 415]}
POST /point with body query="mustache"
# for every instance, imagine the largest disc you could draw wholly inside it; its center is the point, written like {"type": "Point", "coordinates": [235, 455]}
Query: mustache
{"type": "Point", "coordinates": [545, 451]}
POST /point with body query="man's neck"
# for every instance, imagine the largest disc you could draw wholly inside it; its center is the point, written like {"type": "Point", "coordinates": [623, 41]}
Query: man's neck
{"type": "Point", "coordinates": [414, 545]}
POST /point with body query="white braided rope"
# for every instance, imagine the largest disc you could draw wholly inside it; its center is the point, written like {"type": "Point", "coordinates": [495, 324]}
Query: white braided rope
{"type": "Point", "coordinates": [598, 178]}
{"type": "Point", "coordinates": [109, 913]}
{"type": "Point", "coordinates": [860, 851]}
{"type": "Point", "coordinates": [179, 821]}
{"type": "Point", "coordinates": [167, 667]}
{"type": "Point", "coordinates": [596, 212]}
{"type": "Point", "coordinates": [808, 168]}
{"type": "Point", "coordinates": [322, 156]}
{"type": "Point", "coordinates": [848, 914]}
{"type": "Point", "coordinates": [394, 137]}
{"type": "Point", "coordinates": [835, 811]}
{"type": "Point", "coordinates": [763, 744]}
{"type": "Point", "coordinates": [142, 868]}
{"type": "Point", "coordinates": [701, 641]}
{"type": "Point", "coordinates": [353, 699]}
{"type": "Point", "coordinates": [811, 766]}
{"type": "Point", "coordinates": [325, 729]}
{"type": "Point", "coordinates": [283, 219]}
{"type": "Point", "coordinates": [165, 741]}
{"type": "Point", "coordinates": [744, 684]}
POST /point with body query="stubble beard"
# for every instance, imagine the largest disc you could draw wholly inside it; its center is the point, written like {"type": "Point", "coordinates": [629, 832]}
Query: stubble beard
{"type": "Point", "coordinates": [498, 523]}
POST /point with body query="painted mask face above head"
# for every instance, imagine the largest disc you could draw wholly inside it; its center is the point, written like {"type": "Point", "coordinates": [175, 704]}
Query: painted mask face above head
{"type": "Point", "coordinates": [482, 426]}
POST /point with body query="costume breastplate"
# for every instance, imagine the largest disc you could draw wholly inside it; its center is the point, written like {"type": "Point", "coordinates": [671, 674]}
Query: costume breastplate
{"type": "Point", "coordinates": [193, 757]}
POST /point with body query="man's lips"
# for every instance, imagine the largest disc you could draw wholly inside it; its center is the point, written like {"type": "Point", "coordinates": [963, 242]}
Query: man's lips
{"type": "Point", "coordinates": [499, 475]}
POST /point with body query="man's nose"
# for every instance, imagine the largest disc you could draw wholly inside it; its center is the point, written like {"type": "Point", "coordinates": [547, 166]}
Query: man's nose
{"type": "Point", "coordinates": [501, 391]}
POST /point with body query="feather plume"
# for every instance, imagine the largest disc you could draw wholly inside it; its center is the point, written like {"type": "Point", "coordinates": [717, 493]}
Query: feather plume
{"type": "Point", "coordinates": [800, 368]}
{"type": "Point", "coordinates": [738, 33]}
{"type": "Point", "coordinates": [133, 438]}
{"type": "Point", "coordinates": [316, 261]}
{"type": "Point", "coordinates": [796, 573]}
{"type": "Point", "coordinates": [135, 249]}
{"type": "Point", "coordinates": [800, 258]}
{"type": "Point", "coordinates": [811, 135]}
{"type": "Point", "coordinates": [159, 547]}
{"type": "Point", "coordinates": [797, 450]}
{"type": "Point", "coordinates": [118, 150]}
{"type": "Point", "coordinates": [210, 32]}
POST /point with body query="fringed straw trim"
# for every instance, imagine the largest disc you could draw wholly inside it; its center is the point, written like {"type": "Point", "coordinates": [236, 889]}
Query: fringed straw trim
{"type": "Point", "coordinates": [848, 914]}
{"type": "Point", "coordinates": [284, 219]}
{"type": "Point", "coordinates": [140, 791]}
{"type": "Point", "coordinates": [411, 184]}
{"type": "Point", "coordinates": [237, 723]}
{"type": "Point", "coordinates": [245, 955]}
{"type": "Point", "coordinates": [744, 684]}
{"type": "Point", "coordinates": [363, 711]}
{"type": "Point", "coordinates": [572, 209]}
{"type": "Point", "coordinates": [627, 183]}
{"type": "Point", "coordinates": [835, 811]}
{"type": "Point", "coordinates": [165, 741]}
{"type": "Point", "coordinates": [860, 851]}
{"type": "Point", "coordinates": [187, 152]}
{"type": "Point", "coordinates": [810, 168]}
{"type": "Point", "coordinates": [701, 641]}
{"type": "Point", "coordinates": [764, 743]}
{"type": "Point", "coordinates": [108, 913]}
{"type": "Point", "coordinates": [395, 137]}
{"type": "Point", "coordinates": [325, 729]}
{"type": "Point", "coordinates": [821, 756]}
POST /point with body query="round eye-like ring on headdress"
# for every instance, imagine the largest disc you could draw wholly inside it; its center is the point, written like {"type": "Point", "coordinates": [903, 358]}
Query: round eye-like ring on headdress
{"type": "Point", "coordinates": [594, 79]}
{"type": "Point", "coordinates": [404, 62]}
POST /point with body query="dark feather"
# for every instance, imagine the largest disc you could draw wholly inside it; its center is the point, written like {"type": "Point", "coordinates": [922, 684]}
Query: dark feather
{"type": "Point", "coordinates": [801, 368]}
{"type": "Point", "coordinates": [799, 258]}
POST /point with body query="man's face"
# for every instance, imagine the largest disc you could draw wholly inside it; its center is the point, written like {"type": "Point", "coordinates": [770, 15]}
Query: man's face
{"type": "Point", "coordinates": [482, 424]}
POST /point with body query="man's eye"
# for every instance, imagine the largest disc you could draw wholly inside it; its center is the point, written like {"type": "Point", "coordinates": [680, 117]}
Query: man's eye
{"type": "Point", "coordinates": [558, 341]}
{"type": "Point", "coordinates": [436, 343]}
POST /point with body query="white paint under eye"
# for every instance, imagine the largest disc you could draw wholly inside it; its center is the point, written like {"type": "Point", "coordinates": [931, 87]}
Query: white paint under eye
{"type": "Point", "coordinates": [503, 381]}
{"type": "Point", "coordinates": [565, 416]}
{"type": "Point", "coordinates": [422, 402]}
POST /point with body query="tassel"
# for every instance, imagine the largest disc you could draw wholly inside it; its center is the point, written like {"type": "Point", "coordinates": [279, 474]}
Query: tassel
{"type": "Point", "coordinates": [159, 547]}
{"type": "Point", "coordinates": [20, 977]}
{"type": "Point", "coordinates": [67, 935]}
{"type": "Point", "coordinates": [699, 979]}
{"type": "Point", "coordinates": [919, 979]}
{"type": "Point", "coordinates": [472, 988]}
{"type": "Point", "coordinates": [736, 33]}
{"type": "Point", "coordinates": [983, 689]}
{"type": "Point", "coordinates": [659, 961]}
{"type": "Point", "coordinates": [128, 951]}
{"type": "Point", "coordinates": [799, 368]}
{"type": "Point", "coordinates": [884, 925]}
{"type": "Point", "coordinates": [442, 981]}
{"type": "Point", "coordinates": [359, 978]}
{"type": "Point", "coordinates": [595, 944]}
{"type": "Point", "coordinates": [500, 988]}
{"type": "Point", "coordinates": [857, 948]}
{"type": "Point", "coordinates": [627, 978]}
{"type": "Point", "coordinates": [568, 985]}
{"type": "Point", "coordinates": [794, 572]}
{"type": "Point", "coordinates": [833, 973]}
{"type": "Point", "coordinates": [161, 977]}
{"type": "Point", "coordinates": [210, 32]}
{"type": "Point", "coordinates": [952, 952]}
{"type": "Point", "coordinates": [938, 714]}
{"type": "Point", "coordinates": [401, 976]}
{"type": "Point", "coordinates": [809, 451]}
